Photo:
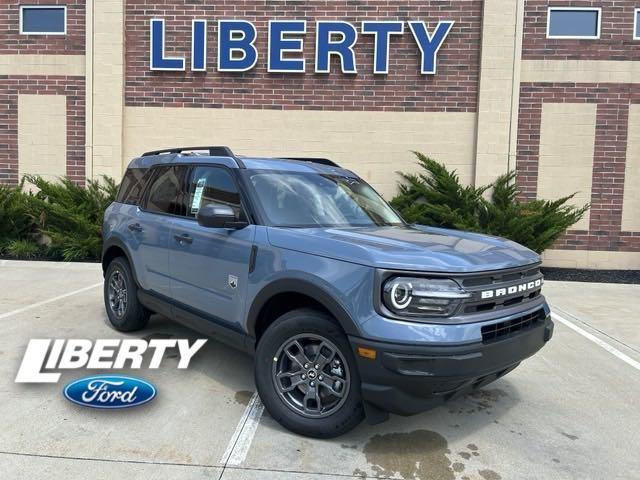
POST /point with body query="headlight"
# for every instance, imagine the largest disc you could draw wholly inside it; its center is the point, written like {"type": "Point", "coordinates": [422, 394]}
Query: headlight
{"type": "Point", "coordinates": [422, 297]}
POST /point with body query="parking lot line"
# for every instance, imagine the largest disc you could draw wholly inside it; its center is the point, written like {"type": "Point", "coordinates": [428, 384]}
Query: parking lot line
{"type": "Point", "coordinates": [50, 300]}
{"type": "Point", "coordinates": [105, 460]}
{"type": "Point", "coordinates": [609, 348]}
{"type": "Point", "coordinates": [240, 442]}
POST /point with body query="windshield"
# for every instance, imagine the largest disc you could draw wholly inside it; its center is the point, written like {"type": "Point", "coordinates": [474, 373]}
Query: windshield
{"type": "Point", "coordinates": [292, 199]}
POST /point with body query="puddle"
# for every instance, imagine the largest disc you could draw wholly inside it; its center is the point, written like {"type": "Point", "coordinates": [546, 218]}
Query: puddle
{"type": "Point", "coordinates": [421, 454]}
{"type": "Point", "coordinates": [489, 475]}
{"type": "Point", "coordinates": [243, 397]}
{"type": "Point", "coordinates": [482, 400]}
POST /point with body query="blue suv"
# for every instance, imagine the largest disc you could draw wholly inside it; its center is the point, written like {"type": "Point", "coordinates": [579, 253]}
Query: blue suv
{"type": "Point", "coordinates": [349, 311]}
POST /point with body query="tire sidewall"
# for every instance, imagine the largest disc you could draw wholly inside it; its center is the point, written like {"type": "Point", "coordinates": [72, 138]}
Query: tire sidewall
{"type": "Point", "coordinates": [295, 323]}
{"type": "Point", "coordinates": [131, 318]}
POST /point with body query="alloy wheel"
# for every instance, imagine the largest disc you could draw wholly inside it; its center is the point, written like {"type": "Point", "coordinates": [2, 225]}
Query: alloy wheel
{"type": "Point", "coordinates": [311, 375]}
{"type": "Point", "coordinates": [117, 293]}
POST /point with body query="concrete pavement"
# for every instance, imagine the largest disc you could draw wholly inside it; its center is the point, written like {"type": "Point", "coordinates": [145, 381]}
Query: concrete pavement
{"type": "Point", "coordinates": [569, 412]}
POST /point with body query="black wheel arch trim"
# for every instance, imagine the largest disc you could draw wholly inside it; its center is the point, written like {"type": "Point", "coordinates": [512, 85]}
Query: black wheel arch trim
{"type": "Point", "coordinates": [302, 287]}
{"type": "Point", "coordinates": [116, 242]}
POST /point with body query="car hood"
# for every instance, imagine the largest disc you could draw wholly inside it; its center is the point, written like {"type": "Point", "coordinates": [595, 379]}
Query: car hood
{"type": "Point", "coordinates": [414, 247]}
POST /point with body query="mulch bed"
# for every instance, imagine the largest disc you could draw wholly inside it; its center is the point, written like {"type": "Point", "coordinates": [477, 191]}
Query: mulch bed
{"type": "Point", "coordinates": [597, 276]}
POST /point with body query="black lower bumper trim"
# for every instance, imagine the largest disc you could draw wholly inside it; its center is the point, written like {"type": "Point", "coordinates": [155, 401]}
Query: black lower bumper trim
{"type": "Point", "coordinates": [408, 379]}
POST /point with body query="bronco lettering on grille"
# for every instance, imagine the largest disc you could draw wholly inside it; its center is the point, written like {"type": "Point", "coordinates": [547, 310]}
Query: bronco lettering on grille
{"type": "Point", "coordinates": [521, 288]}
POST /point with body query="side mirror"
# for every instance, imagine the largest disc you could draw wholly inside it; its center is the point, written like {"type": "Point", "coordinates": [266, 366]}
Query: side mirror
{"type": "Point", "coordinates": [212, 215]}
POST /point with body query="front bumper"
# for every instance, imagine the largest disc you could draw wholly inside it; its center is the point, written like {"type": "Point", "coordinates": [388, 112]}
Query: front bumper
{"type": "Point", "coordinates": [408, 379]}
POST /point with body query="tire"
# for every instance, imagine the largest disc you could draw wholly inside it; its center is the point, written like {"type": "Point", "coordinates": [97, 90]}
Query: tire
{"type": "Point", "coordinates": [313, 412]}
{"type": "Point", "coordinates": [130, 315]}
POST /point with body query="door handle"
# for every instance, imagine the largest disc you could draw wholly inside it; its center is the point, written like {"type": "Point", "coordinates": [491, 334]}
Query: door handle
{"type": "Point", "coordinates": [135, 227]}
{"type": "Point", "coordinates": [184, 238]}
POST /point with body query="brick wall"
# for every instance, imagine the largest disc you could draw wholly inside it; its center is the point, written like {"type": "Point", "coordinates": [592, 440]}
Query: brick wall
{"type": "Point", "coordinates": [74, 90]}
{"type": "Point", "coordinates": [612, 115]}
{"type": "Point", "coordinates": [73, 87]}
{"type": "Point", "coordinates": [616, 39]}
{"type": "Point", "coordinates": [609, 158]}
{"type": "Point", "coordinates": [453, 88]}
{"type": "Point", "coordinates": [11, 42]}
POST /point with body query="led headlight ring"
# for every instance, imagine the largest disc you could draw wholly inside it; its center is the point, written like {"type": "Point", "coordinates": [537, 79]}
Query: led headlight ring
{"type": "Point", "coordinates": [405, 298]}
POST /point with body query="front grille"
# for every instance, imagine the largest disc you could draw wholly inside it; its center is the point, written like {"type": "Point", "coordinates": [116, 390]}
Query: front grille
{"type": "Point", "coordinates": [507, 302]}
{"type": "Point", "coordinates": [483, 280]}
{"type": "Point", "coordinates": [510, 327]}
{"type": "Point", "coordinates": [476, 284]}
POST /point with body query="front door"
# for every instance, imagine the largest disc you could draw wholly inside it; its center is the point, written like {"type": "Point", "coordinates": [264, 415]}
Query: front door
{"type": "Point", "coordinates": [209, 266]}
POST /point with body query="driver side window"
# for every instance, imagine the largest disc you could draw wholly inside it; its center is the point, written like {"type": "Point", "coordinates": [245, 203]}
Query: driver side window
{"type": "Point", "coordinates": [213, 185]}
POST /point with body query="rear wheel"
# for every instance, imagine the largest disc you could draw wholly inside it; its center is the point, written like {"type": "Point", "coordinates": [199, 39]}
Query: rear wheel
{"type": "Point", "coordinates": [306, 375]}
{"type": "Point", "coordinates": [124, 310]}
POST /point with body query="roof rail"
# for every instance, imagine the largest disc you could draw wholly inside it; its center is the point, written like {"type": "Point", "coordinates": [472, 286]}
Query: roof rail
{"type": "Point", "coordinates": [321, 161]}
{"type": "Point", "coordinates": [214, 151]}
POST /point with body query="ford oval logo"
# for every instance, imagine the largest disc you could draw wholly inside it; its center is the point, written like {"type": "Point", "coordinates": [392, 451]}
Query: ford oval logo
{"type": "Point", "coordinates": [109, 391]}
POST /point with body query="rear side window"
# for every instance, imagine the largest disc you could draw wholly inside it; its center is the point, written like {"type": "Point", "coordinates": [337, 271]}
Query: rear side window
{"type": "Point", "coordinates": [132, 186]}
{"type": "Point", "coordinates": [166, 193]}
{"type": "Point", "coordinates": [212, 185]}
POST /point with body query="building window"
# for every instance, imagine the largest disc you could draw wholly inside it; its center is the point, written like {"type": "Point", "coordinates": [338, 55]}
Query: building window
{"type": "Point", "coordinates": [573, 22]}
{"type": "Point", "coordinates": [43, 20]}
{"type": "Point", "coordinates": [636, 24]}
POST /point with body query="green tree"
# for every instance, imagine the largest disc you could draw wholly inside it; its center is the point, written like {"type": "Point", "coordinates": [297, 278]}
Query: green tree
{"type": "Point", "coordinates": [57, 220]}
{"type": "Point", "coordinates": [15, 223]}
{"type": "Point", "coordinates": [436, 197]}
{"type": "Point", "coordinates": [71, 215]}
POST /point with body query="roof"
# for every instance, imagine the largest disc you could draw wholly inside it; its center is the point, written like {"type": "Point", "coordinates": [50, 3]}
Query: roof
{"type": "Point", "coordinates": [285, 164]}
{"type": "Point", "coordinates": [212, 155]}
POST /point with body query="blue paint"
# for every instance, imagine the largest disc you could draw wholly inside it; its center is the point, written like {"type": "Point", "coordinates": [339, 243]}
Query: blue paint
{"type": "Point", "coordinates": [327, 46]}
{"type": "Point", "coordinates": [280, 41]}
{"type": "Point", "coordinates": [382, 32]}
{"type": "Point", "coordinates": [199, 46]}
{"type": "Point", "coordinates": [236, 52]}
{"type": "Point", "coordinates": [429, 44]}
{"type": "Point", "coordinates": [158, 59]}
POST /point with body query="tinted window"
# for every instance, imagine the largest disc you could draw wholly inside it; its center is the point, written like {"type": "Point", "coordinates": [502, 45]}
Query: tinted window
{"type": "Point", "coordinates": [132, 186]}
{"type": "Point", "coordinates": [166, 192]}
{"type": "Point", "coordinates": [43, 20]}
{"type": "Point", "coordinates": [212, 185]}
{"type": "Point", "coordinates": [574, 23]}
{"type": "Point", "coordinates": [636, 33]}
{"type": "Point", "coordinates": [291, 199]}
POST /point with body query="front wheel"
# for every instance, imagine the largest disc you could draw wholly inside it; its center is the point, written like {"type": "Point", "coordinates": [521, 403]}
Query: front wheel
{"type": "Point", "coordinates": [306, 375]}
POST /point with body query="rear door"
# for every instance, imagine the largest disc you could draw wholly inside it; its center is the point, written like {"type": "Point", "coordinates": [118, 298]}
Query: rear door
{"type": "Point", "coordinates": [209, 266]}
{"type": "Point", "coordinates": [151, 228]}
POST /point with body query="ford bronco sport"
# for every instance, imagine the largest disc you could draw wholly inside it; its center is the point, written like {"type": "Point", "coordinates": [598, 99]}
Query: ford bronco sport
{"type": "Point", "coordinates": [349, 311]}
